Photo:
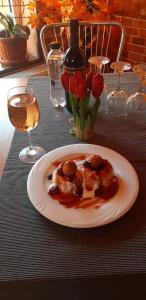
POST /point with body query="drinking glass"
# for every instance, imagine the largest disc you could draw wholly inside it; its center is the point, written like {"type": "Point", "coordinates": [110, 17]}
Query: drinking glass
{"type": "Point", "coordinates": [24, 114]}
{"type": "Point", "coordinates": [98, 62]}
{"type": "Point", "coordinates": [117, 99]}
{"type": "Point", "coordinates": [136, 103]}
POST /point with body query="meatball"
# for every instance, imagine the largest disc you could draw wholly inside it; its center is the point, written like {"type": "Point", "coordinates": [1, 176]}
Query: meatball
{"type": "Point", "coordinates": [69, 168]}
{"type": "Point", "coordinates": [96, 162]}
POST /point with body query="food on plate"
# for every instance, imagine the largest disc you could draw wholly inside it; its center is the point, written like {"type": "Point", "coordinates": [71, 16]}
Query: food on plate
{"type": "Point", "coordinates": [69, 168]}
{"type": "Point", "coordinates": [84, 181]}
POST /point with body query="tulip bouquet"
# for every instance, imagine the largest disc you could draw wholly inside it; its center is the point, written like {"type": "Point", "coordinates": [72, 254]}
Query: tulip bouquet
{"type": "Point", "coordinates": [83, 90]}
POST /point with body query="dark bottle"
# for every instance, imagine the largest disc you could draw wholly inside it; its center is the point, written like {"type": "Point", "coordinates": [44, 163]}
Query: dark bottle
{"type": "Point", "coordinates": [74, 59]}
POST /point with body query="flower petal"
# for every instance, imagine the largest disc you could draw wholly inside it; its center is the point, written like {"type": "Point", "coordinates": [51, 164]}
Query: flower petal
{"type": "Point", "coordinates": [79, 75]}
{"type": "Point", "coordinates": [89, 77]}
{"type": "Point", "coordinates": [65, 80]}
{"type": "Point", "coordinates": [80, 89]}
{"type": "Point", "coordinates": [97, 85]}
{"type": "Point", "coordinates": [72, 84]}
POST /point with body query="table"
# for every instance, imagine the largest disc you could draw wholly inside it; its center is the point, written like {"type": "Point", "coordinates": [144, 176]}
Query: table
{"type": "Point", "coordinates": [42, 260]}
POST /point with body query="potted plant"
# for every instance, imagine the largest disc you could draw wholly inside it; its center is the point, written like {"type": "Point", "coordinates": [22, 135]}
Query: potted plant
{"type": "Point", "coordinates": [13, 41]}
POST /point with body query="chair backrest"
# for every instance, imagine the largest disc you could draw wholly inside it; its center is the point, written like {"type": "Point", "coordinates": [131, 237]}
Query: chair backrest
{"type": "Point", "coordinates": [101, 38]}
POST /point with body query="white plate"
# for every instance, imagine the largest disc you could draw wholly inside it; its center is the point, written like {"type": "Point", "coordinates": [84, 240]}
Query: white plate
{"type": "Point", "coordinates": [110, 211]}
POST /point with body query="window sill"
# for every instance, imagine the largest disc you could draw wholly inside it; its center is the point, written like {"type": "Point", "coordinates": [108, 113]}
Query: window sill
{"type": "Point", "coordinates": [8, 70]}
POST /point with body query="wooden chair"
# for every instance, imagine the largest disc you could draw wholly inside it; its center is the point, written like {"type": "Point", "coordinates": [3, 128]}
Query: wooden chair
{"type": "Point", "coordinates": [103, 38]}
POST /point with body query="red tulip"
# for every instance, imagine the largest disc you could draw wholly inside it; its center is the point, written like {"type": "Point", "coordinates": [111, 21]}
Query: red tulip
{"type": "Point", "coordinates": [65, 80]}
{"type": "Point", "coordinates": [80, 89]}
{"type": "Point", "coordinates": [97, 85]}
{"type": "Point", "coordinates": [72, 84]}
{"type": "Point", "coordinates": [89, 77]}
{"type": "Point", "coordinates": [79, 75]}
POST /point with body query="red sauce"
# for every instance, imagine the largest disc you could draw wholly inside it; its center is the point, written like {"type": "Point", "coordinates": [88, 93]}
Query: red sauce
{"type": "Point", "coordinates": [106, 168]}
{"type": "Point", "coordinates": [88, 188]}
{"type": "Point", "coordinates": [108, 192]}
{"type": "Point", "coordinates": [79, 157]}
{"type": "Point", "coordinates": [71, 200]}
{"type": "Point", "coordinates": [66, 199]}
{"type": "Point", "coordinates": [93, 176]}
{"type": "Point", "coordinates": [56, 163]}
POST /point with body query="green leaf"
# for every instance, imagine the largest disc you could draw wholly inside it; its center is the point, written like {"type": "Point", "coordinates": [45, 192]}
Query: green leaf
{"type": "Point", "coordinates": [83, 110]}
{"type": "Point", "coordinates": [13, 29]}
{"type": "Point", "coordinates": [21, 34]}
{"type": "Point", "coordinates": [3, 21]}
{"type": "Point", "coordinates": [3, 17]}
{"type": "Point", "coordinates": [82, 123]}
{"type": "Point", "coordinates": [83, 107]}
{"type": "Point", "coordinates": [73, 104]}
{"type": "Point", "coordinates": [94, 111]}
{"type": "Point", "coordinates": [10, 23]}
{"type": "Point", "coordinates": [76, 121]}
{"type": "Point", "coordinates": [89, 123]}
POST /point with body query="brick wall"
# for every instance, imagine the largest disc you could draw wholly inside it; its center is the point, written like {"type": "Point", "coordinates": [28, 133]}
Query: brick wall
{"type": "Point", "coordinates": [135, 43]}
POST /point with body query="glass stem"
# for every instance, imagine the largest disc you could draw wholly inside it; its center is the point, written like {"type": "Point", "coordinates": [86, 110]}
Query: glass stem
{"type": "Point", "coordinates": [30, 141]}
{"type": "Point", "coordinates": [119, 81]}
{"type": "Point", "coordinates": [141, 88]}
{"type": "Point", "coordinates": [98, 69]}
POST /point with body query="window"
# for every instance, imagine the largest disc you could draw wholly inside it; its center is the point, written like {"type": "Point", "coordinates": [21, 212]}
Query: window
{"type": "Point", "coordinates": [5, 7]}
{"type": "Point", "coordinates": [16, 7]}
{"type": "Point", "coordinates": [19, 12]}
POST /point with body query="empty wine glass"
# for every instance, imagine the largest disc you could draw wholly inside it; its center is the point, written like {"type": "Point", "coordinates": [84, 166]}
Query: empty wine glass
{"type": "Point", "coordinates": [136, 103]}
{"type": "Point", "coordinates": [117, 99]}
{"type": "Point", "coordinates": [24, 114]}
{"type": "Point", "coordinates": [98, 62]}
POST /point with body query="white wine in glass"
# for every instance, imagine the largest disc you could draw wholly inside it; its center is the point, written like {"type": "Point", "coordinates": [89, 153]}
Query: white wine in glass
{"type": "Point", "coordinates": [24, 114]}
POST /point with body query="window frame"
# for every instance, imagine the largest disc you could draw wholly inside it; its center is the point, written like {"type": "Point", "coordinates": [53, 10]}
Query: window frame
{"type": "Point", "coordinates": [32, 60]}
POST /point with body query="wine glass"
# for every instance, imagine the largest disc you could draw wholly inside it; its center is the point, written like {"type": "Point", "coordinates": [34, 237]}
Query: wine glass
{"type": "Point", "coordinates": [24, 114]}
{"type": "Point", "coordinates": [117, 99]}
{"type": "Point", "coordinates": [136, 103]}
{"type": "Point", "coordinates": [98, 62]}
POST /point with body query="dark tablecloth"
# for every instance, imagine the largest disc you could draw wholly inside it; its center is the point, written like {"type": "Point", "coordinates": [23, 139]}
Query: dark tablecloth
{"type": "Point", "coordinates": [42, 260]}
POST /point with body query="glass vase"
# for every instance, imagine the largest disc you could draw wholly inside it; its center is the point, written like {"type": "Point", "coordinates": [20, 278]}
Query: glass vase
{"type": "Point", "coordinates": [83, 134]}
{"type": "Point", "coordinates": [84, 117]}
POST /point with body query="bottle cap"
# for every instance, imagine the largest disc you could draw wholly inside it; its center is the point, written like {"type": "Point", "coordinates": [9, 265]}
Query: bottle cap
{"type": "Point", "coordinates": [54, 45]}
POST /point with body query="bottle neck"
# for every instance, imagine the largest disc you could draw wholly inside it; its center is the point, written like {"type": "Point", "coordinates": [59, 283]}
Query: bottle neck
{"type": "Point", "coordinates": [74, 35]}
{"type": "Point", "coordinates": [74, 59]}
